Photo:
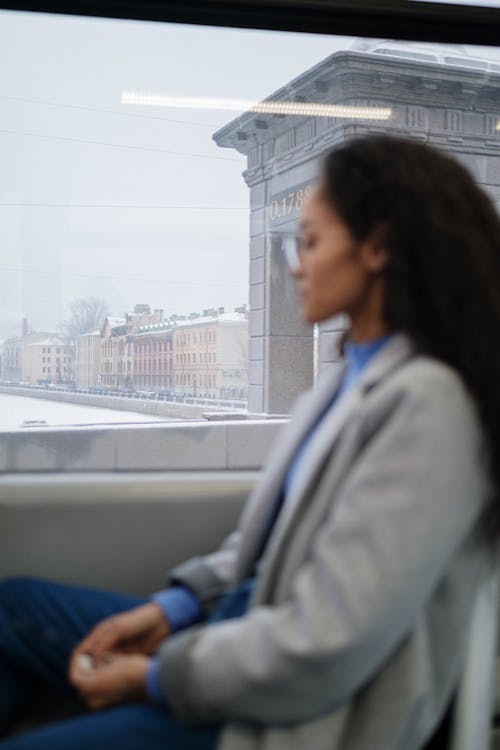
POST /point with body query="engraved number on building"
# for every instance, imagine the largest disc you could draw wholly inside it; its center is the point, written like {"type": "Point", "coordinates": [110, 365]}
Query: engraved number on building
{"type": "Point", "coordinates": [288, 204]}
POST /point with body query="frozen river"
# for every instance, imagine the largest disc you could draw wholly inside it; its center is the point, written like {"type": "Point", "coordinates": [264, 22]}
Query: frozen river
{"type": "Point", "coordinates": [16, 410]}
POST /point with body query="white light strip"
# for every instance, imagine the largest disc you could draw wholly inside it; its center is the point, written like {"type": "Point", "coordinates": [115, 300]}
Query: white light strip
{"type": "Point", "coordinates": [308, 109]}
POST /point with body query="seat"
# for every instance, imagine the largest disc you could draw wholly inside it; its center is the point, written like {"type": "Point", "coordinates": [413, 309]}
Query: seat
{"type": "Point", "coordinates": [471, 721]}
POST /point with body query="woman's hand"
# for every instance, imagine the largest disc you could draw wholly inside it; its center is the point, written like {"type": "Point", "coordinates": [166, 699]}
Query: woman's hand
{"type": "Point", "coordinates": [138, 631]}
{"type": "Point", "coordinates": [109, 666]}
{"type": "Point", "coordinates": [110, 680]}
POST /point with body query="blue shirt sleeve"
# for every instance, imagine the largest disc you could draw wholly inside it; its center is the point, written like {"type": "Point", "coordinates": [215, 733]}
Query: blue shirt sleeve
{"type": "Point", "coordinates": [180, 606]}
{"type": "Point", "coordinates": [153, 681]}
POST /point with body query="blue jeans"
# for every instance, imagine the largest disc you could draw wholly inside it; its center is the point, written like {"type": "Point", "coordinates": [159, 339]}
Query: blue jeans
{"type": "Point", "coordinates": [40, 624]}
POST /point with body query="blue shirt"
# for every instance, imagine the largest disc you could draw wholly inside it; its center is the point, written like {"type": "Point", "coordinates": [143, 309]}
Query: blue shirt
{"type": "Point", "coordinates": [357, 357]}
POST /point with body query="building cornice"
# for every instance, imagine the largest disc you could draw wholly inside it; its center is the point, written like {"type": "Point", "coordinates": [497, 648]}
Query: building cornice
{"type": "Point", "coordinates": [347, 75]}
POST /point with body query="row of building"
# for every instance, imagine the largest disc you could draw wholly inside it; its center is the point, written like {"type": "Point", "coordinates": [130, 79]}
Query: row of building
{"type": "Point", "coordinates": [202, 354]}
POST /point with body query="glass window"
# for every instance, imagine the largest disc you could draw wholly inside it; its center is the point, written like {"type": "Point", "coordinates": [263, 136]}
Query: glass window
{"type": "Point", "coordinates": [145, 192]}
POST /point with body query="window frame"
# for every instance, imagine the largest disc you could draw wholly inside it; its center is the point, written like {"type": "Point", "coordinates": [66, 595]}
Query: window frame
{"type": "Point", "coordinates": [397, 19]}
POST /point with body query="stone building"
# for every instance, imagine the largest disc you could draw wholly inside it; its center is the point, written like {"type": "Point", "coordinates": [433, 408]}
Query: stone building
{"type": "Point", "coordinates": [443, 98]}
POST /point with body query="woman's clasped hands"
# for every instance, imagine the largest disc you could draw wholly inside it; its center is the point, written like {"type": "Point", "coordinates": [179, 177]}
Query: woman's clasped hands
{"type": "Point", "coordinates": [110, 665]}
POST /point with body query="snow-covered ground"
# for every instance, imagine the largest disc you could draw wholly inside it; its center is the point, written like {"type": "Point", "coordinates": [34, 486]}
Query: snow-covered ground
{"type": "Point", "coordinates": [19, 411]}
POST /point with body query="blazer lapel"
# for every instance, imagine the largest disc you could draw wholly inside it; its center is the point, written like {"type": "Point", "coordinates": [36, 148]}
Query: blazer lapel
{"type": "Point", "coordinates": [255, 518]}
{"type": "Point", "coordinates": [395, 353]}
{"type": "Point", "coordinates": [321, 446]}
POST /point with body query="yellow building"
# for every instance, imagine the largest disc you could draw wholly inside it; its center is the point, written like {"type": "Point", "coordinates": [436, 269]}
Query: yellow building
{"type": "Point", "coordinates": [210, 355]}
{"type": "Point", "coordinates": [49, 360]}
{"type": "Point", "coordinates": [88, 359]}
{"type": "Point", "coordinates": [116, 356]}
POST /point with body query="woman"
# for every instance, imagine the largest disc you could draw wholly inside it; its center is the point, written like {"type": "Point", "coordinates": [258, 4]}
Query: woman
{"type": "Point", "coordinates": [335, 616]}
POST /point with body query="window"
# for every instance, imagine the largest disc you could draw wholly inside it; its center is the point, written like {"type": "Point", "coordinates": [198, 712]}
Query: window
{"type": "Point", "coordinates": [165, 255]}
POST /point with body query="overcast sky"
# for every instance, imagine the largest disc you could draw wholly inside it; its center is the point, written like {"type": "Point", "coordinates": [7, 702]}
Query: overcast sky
{"type": "Point", "coordinates": [77, 165]}
{"type": "Point", "coordinates": [132, 204]}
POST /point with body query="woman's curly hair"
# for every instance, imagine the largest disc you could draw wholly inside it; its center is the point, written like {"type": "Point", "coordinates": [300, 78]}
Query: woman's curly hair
{"type": "Point", "coordinates": [442, 278]}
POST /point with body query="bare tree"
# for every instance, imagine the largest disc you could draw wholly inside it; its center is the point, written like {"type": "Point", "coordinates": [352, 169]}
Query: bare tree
{"type": "Point", "coordinates": [86, 315]}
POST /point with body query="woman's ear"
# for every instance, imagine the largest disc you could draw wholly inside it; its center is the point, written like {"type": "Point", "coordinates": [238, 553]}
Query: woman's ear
{"type": "Point", "coordinates": [375, 252]}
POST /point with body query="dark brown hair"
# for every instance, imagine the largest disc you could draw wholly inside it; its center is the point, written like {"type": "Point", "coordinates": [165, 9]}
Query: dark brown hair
{"type": "Point", "coordinates": [442, 278]}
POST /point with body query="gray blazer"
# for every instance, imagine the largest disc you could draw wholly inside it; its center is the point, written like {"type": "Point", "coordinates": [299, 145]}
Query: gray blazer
{"type": "Point", "coordinates": [355, 632]}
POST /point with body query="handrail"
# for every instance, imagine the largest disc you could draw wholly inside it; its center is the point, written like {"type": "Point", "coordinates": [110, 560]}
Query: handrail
{"type": "Point", "coordinates": [159, 486]}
